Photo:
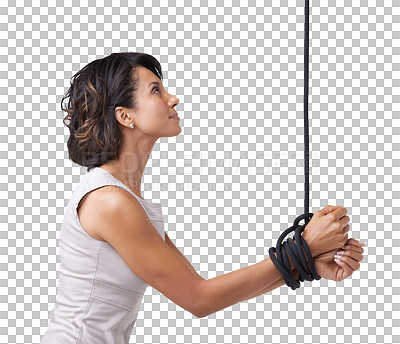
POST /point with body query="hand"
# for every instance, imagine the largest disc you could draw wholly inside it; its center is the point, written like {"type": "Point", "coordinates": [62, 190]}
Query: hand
{"type": "Point", "coordinates": [337, 271]}
{"type": "Point", "coordinates": [327, 230]}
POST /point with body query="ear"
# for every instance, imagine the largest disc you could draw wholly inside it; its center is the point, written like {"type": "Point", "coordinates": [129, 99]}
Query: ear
{"type": "Point", "coordinates": [122, 116]}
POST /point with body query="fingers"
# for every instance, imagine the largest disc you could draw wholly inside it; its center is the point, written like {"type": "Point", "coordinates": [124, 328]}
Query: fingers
{"type": "Point", "coordinates": [339, 213]}
{"type": "Point", "coordinates": [349, 259]}
{"type": "Point", "coordinates": [349, 265]}
{"type": "Point", "coordinates": [352, 260]}
{"type": "Point", "coordinates": [353, 245]}
{"type": "Point", "coordinates": [345, 238]}
{"type": "Point", "coordinates": [344, 221]}
{"type": "Point", "coordinates": [349, 262]}
{"type": "Point", "coordinates": [354, 242]}
{"type": "Point", "coordinates": [356, 255]}
{"type": "Point", "coordinates": [350, 248]}
{"type": "Point", "coordinates": [328, 209]}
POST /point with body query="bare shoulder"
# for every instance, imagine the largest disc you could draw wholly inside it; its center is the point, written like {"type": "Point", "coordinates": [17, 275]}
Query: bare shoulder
{"type": "Point", "coordinates": [93, 202]}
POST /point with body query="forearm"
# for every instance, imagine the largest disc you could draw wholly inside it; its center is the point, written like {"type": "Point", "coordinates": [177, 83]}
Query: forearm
{"type": "Point", "coordinates": [240, 285]}
{"type": "Point", "coordinates": [275, 284]}
{"type": "Point", "coordinates": [279, 282]}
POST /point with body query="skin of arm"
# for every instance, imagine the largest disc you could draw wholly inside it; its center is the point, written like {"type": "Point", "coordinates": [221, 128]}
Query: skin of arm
{"type": "Point", "coordinates": [179, 253]}
{"type": "Point", "coordinates": [241, 285]}
{"type": "Point", "coordinates": [275, 284]}
{"type": "Point", "coordinates": [237, 286]}
{"type": "Point", "coordinates": [279, 282]}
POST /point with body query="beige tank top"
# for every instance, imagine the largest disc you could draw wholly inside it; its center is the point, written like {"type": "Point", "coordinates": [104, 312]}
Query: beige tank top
{"type": "Point", "coordinates": [98, 296]}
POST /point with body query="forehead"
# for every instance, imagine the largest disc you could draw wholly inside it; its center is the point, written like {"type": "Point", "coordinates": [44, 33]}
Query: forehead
{"type": "Point", "coordinates": [146, 76]}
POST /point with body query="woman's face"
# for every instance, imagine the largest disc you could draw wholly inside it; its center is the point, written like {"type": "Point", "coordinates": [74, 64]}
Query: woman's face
{"type": "Point", "coordinates": [154, 107]}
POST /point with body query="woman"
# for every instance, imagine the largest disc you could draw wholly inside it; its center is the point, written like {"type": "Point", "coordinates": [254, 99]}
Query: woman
{"type": "Point", "coordinates": [112, 242]}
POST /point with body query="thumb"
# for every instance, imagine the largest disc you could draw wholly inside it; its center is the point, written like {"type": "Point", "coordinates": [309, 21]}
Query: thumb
{"type": "Point", "coordinates": [328, 209]}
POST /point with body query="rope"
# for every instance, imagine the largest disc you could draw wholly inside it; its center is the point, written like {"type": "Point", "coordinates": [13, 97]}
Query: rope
{"type": "Point", "coordinates": [297, 247]}
{"type": "Point", "coordinates": [305, 100]}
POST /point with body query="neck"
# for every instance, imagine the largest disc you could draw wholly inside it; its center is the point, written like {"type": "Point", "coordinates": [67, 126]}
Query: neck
{"type": "Point", "coordinates": [129, 169]}
{"type": "Point", "coordinates": [133, 157]}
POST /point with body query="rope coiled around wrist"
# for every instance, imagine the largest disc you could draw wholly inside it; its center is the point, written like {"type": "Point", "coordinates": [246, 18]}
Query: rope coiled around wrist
{"type": "Point", "coordinates": [294, 247]}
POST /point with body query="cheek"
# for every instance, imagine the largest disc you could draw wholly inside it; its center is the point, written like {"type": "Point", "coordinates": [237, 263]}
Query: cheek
{"type": "Point", "coordinates": [152, 124]}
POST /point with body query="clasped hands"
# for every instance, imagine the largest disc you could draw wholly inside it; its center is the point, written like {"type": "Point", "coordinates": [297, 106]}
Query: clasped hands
{"type": "Point", "coordinates": [337, 265]}
{"type": "Point", "coordinates": [326, 232]}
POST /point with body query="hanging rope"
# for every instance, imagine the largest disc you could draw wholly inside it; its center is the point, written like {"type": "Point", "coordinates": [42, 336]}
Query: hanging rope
{"type": "Point", "coordinates": [297, 248]}
{"type": "Point", "coordinates": [305, 101]}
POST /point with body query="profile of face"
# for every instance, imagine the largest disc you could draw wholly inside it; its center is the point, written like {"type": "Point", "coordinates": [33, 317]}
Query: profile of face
{"type": "Point", "coordinates": [154, 106]}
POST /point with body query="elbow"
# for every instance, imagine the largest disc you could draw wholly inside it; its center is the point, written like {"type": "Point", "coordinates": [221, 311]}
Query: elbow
{"type": "Point", "coordinates": [201, 310]}
{"type": "Point", "coordinates": [199, 314]}
{"type": "Point", "coordinates": [205, 312]}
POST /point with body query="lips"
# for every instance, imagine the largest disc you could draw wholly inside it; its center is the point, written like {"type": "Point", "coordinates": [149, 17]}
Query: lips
{"type": "Point", "coordinates": [174, 115]}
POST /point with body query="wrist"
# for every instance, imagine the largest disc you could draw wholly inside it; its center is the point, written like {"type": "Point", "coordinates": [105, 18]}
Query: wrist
{"type": "Point", "coordinates": [292, 267]}
{"type": "Point", "coordinates": [312, 250]}
{"type": "Point", "coordinates": [305, 256]}
{"type": "Point", "coordinates": [295, 274]}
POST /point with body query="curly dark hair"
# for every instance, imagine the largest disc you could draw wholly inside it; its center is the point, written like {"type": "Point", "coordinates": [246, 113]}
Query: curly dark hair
{"type": "Point", "coordinates": [95, 91]}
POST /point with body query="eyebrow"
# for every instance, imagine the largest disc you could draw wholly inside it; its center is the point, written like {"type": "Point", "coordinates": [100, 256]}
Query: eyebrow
{"type": "Point", "coordinates": [154, 82]}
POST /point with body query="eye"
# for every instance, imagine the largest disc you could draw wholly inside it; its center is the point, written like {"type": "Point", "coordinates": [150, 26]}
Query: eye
{"type": "Point", "coordinates": [156, 88]}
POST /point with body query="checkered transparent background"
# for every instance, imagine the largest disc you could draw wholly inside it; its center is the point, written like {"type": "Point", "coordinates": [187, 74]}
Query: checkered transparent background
{"type": "Point", "coordinates": [233, 180]}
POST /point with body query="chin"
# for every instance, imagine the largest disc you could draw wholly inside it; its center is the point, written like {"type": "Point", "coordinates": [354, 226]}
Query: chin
{"type": "Point", "coordinates": [175, 132]}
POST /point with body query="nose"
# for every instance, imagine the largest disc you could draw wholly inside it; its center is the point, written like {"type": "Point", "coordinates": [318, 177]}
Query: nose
{"type": "Point", "coordinates": [174, 102]}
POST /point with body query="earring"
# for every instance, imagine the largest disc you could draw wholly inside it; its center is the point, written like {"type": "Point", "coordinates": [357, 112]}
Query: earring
{"type": "Point", "coordinates": [131, 125]}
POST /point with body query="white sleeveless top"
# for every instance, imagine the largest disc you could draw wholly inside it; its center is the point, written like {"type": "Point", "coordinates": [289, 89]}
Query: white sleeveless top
{"type": "Point", "coordinates": [98, 296]}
